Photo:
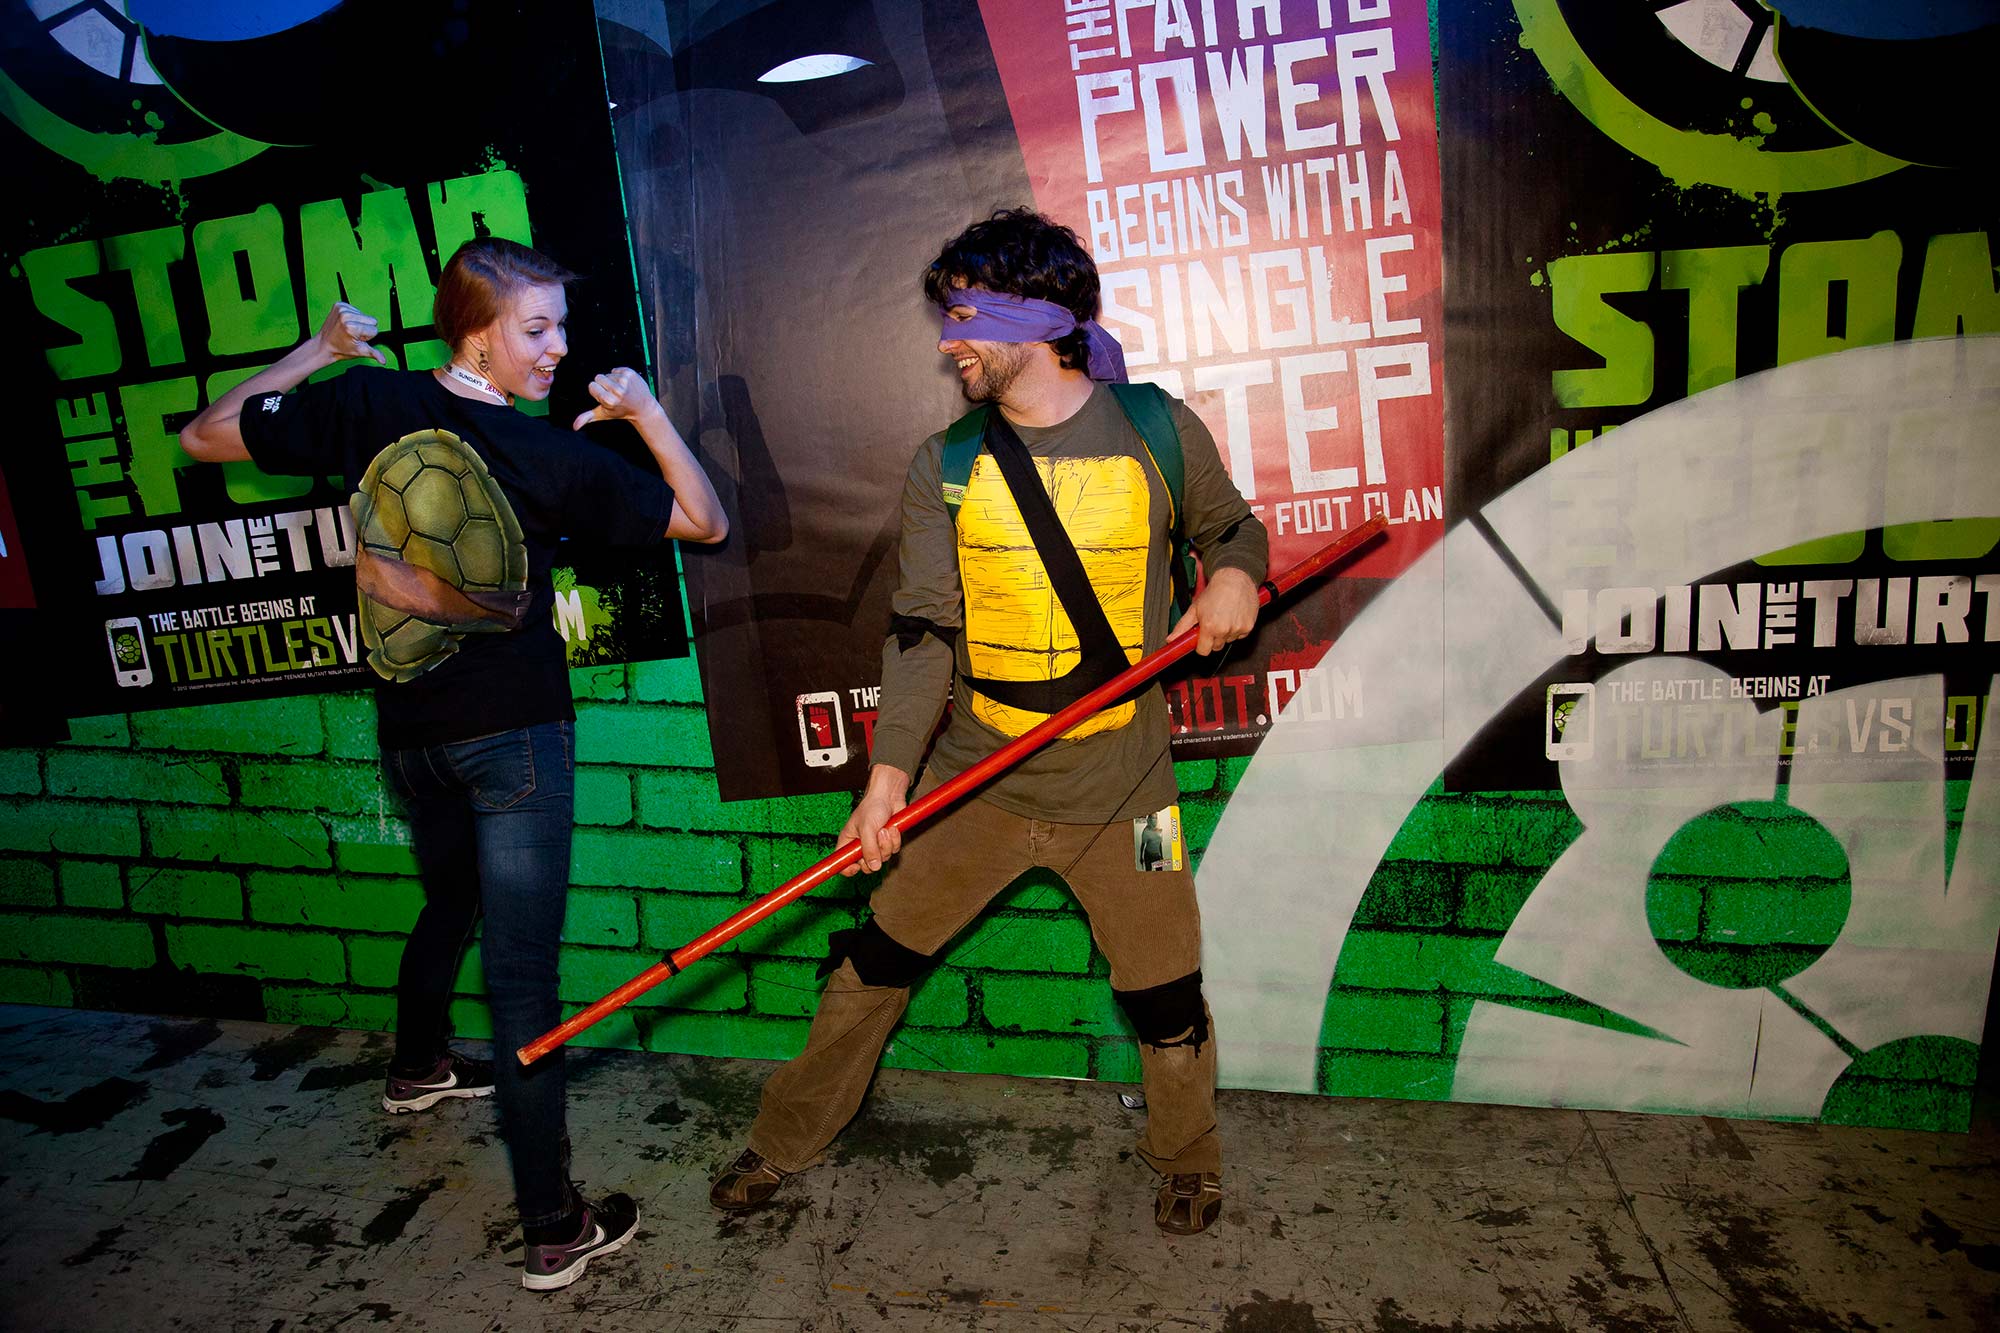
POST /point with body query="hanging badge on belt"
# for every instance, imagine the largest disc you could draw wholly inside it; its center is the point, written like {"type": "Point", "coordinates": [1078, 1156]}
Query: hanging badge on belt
{"type": "Point", "coordinates": [1156, 840]}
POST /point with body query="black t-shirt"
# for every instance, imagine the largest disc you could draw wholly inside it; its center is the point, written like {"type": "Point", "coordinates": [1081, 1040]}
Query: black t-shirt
{"type": "Point", "coordinates": [557, 481]}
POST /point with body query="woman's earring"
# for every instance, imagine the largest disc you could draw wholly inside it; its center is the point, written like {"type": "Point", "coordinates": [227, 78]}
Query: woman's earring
{"type": "Point", "coordinates": [482, 363]}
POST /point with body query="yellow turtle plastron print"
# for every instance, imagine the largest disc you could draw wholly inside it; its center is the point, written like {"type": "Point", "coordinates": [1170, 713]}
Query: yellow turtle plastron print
{"type": "Point", "coordinates": [1015, 625]}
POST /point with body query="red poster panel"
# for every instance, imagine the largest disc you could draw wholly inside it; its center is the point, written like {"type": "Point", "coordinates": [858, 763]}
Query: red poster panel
{"type": "Point", "coordinates": [1259, 185]}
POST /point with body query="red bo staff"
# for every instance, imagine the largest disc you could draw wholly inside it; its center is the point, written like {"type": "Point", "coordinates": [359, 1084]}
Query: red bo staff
{"type": "Point", "coordinates": [917, 811]}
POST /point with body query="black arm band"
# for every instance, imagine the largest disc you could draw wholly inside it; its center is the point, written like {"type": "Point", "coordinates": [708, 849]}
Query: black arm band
{"type": "Point", "coordinates": [909, 631]}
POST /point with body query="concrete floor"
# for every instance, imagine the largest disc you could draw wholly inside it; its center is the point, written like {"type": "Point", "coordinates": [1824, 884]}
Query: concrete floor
{"type": "Point", "coordinates": [170, 1173]}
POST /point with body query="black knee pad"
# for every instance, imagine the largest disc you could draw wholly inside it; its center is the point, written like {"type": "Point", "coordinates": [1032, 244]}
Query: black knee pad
{"type": "Point", "coordinates": [1171, 1014]}
{"type": "Point", "coordinates": [878, 960]}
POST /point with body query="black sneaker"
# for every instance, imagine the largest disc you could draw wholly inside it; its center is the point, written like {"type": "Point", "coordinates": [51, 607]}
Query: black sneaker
{"type": "Point", "coordinates": [607, 1226]}
{"type": "Point", "coordinates": [453, 1076]}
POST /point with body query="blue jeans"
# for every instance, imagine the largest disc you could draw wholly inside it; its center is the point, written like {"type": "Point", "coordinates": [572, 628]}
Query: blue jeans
{"type": "Point", "coordinates": [491, 820]}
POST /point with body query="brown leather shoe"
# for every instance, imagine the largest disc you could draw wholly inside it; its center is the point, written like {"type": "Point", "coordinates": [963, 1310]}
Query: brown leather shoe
{"type": "Point", "coordinates": [1189, 1203]}
{"type": "Point", "coordinates": [746, 1183]}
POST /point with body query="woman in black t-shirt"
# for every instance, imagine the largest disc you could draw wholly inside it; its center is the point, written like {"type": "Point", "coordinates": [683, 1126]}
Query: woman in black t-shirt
{"type": "Point", "coordinates": [479, 746]}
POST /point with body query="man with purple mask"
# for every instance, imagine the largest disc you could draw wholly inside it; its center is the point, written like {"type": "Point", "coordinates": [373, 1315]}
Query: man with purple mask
{"type": "Point", "coordinates": [1055, 483]}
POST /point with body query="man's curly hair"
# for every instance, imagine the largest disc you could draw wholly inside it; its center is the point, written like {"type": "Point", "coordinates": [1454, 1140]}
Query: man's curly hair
{"type": "Point", "coordinates": [1020, 252]}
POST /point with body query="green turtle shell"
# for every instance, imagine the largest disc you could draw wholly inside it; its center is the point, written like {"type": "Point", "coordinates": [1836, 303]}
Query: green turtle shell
{"type": "Point", "coordinates": [428, 500]}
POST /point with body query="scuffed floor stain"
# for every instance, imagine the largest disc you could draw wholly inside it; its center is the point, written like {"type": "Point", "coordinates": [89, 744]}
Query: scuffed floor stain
{"type": "Point", "coordinates": [1494, 1217]}
{"type": "Point", "coordinates": [388, 1224]}
{"type": "Point", "coordinates": [175, 1042]}
{"type": "Point", "coordinates": [940, 1151]}
{"type": "Point", "coordinates": [768, 1225]}
{"type": "Point", "coordinates": [1606, 1317]}
{"type": "Point", "coordinates": [1056, 1144]}
{"type": "Point", "coordinates": [96, 1249]}
{"type": "Point", "coordinates": [279, 1054]}
{"type": "Point", "coordinates": [1723, 1141]}
{"type": "Point", "coordinates": [582, 1064]}
{"type": "Point", "coordinates": [721, 1099]}
{"type": "Point", "coordinates": [78, 1112]}
{"type": "Point", "coordinates": [1755, 1271]}
{"type": "Point", "coordinates": [165, 1154]}
{"type": "Point", "coordinates": [1389, 1318]}
{"type": "Point", "coordinates": [500, 1230]}
{"type": "Point", "coordinates": [1943, 1237]}
{"type": "Point", "coordinates": [1355, 1202]}
{"type": "Point", "coordinates": [321, 1078]}
{"type": "Point", "coordinates": [1271, 1314]}
{"type": "Point", "coordinates": [317, 1235]}
{"type": "Point", "coordinates": [1612, 1266]}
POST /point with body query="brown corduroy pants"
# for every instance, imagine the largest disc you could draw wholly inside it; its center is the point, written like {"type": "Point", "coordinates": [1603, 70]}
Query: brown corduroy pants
{"type": "Point", "coordinates": [1146, 924]}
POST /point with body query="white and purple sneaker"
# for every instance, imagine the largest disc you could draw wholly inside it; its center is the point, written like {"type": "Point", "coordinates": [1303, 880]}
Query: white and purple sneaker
{"type": "Point", "coordinates": [607, 1227]}
{"type": "Point", "coordinates": [453, 1076]}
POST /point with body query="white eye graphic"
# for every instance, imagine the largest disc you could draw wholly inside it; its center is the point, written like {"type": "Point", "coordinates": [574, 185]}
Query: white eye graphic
{"type": "Point", "coordinates": [1727, 36]}
{"type": "Point", "coordinates": [807, 68]}
{"type": "Point", "coordinates": [101, 35]}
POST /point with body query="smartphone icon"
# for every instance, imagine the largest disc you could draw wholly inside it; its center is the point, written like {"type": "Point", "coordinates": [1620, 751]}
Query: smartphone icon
{"type": "Point", "coordinates": [1569, 718]}
{"type": "Point", "coordinates": [822, 734]}
{"type": "Point", "coordinates": [129, 661]}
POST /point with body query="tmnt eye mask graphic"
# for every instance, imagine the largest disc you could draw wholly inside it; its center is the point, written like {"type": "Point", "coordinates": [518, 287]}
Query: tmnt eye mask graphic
{"type": "Point", "coordinates": [825, 64]}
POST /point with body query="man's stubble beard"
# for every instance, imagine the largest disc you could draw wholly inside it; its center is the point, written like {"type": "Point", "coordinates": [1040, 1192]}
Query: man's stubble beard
{"type": "Point", "coordinates": [995, 377]}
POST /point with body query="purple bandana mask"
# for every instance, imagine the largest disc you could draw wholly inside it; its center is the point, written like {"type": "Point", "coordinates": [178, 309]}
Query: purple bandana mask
{"type": "Point", "coordinates": [1004, 318]}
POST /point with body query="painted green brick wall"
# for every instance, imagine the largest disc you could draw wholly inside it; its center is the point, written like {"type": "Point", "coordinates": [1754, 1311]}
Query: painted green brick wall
{"type": "Point", "coordinates": [244, 860]}
{"type": "Point", "coordinates": [1420, 950]}
{"type": "Point", "coordinates": [1745, 896]}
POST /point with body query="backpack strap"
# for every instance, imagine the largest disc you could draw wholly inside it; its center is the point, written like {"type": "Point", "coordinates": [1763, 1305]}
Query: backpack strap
{"type": "Point", "coordinates": [962, 441]}
{"type": "Point", "coordinates": [1146, 408]}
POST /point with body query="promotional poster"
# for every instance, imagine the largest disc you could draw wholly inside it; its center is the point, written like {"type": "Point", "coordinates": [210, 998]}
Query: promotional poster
{"type": "Point", "coordinates": [1684, 798]}
{"type": "Point", "coordinates": [193, 203]}
{"type": "Point", "coordinates": [1750, 208]}
{"type": "Point", "coordinates": [1258, 185]}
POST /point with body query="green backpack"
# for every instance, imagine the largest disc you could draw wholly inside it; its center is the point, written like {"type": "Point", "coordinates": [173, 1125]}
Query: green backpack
{"type": "Point", "coordinates": [1145, 406]}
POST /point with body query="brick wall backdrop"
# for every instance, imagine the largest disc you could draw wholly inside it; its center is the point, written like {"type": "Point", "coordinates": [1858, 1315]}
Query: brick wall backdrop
{"type": "Point", "coordinates": [243, 860]}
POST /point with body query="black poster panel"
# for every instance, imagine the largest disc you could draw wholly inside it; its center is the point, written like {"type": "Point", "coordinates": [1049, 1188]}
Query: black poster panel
{"type": "Point", "coordinates": [830, 148]}
{"type": "Point", "coordinates": [1646, 202]}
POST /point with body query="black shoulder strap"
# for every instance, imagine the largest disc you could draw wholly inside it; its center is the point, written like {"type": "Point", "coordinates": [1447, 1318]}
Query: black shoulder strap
{"type": "Point", "coordinates": [1101, 656]}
